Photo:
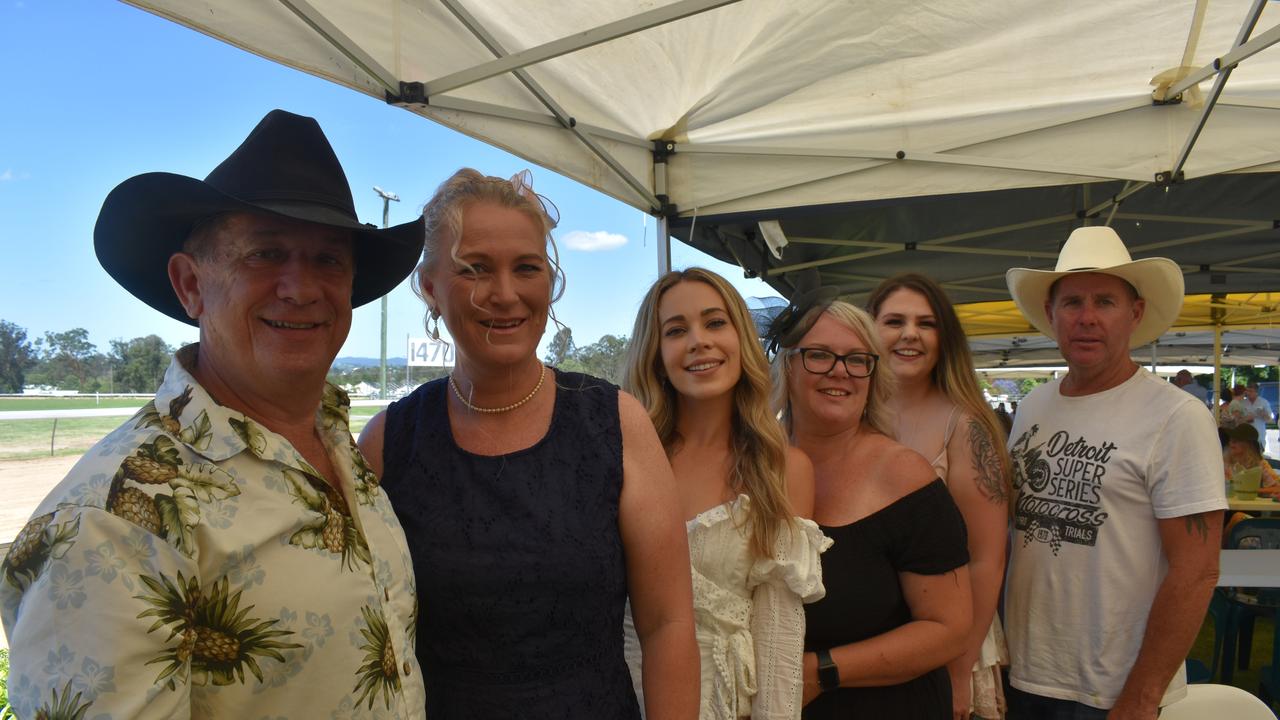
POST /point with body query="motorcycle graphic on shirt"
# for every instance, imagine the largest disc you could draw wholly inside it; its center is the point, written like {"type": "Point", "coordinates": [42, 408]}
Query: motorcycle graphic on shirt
{"type": "Point", "coordinates": [1058, 482]}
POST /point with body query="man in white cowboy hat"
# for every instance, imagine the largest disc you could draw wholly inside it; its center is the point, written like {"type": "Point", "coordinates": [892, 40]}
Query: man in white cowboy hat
{"type": "Point", "coordinates": [1119, 485]}
{"type": "Point", "coordinates": [227, 550]}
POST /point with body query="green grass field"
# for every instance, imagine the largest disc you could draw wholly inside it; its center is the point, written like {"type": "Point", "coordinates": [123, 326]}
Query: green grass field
{"type": "Point", "coordinates": [27, 439]}
{"type": "Point", "coordinates": [69, 403]}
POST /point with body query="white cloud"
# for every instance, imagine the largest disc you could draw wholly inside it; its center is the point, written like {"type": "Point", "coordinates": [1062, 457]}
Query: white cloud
{"type": "Point", "coordinates": [593, 240]}
{"type": "Point", "coordinates": [6, 175]}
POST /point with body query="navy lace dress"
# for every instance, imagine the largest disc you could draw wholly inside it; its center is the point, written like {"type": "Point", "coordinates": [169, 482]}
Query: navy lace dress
{"type": "Point", "coordinates": [519, 562]}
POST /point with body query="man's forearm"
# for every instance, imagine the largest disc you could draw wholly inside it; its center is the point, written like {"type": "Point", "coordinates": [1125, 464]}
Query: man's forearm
{"type": "Point", "coordinates": [1176, 616]}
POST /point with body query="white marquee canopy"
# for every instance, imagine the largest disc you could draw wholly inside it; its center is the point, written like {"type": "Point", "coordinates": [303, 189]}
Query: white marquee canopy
{"type": "Point", "coordinates": [769, 104]}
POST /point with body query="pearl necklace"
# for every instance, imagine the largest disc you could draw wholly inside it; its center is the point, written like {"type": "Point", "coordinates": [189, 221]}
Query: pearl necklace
{"type": "Point", "coordinates": [505, 408]}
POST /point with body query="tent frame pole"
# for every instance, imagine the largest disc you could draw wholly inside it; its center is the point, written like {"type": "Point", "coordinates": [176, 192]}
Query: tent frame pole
{"type": "Point", "coordinates": [1219, 82]}
{"type": "Point", "coordinates": [1240, 52]}
{"type": "Point", "coordinates": [573, 43]}
{"type": "Point", "coordinates": [569, 123]}
{"type": "Point", "coordinates": [316, 20]}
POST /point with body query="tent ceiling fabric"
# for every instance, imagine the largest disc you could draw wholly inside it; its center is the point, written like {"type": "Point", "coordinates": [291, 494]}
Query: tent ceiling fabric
{"type": "Point", "coordinates": [807, 102]}
{"type": "Point", "coordinates": [954, 138]}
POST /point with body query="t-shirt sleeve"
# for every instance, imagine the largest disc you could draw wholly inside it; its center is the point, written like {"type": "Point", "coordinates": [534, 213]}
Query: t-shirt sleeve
{"type": "Point", "coordinates": [1186, 474]}
{"type": "Point", "coordinates": [928, 532]}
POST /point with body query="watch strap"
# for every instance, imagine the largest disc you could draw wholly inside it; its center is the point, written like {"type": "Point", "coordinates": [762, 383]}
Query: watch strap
{"type": "Point", "coordinates": [828, 673]}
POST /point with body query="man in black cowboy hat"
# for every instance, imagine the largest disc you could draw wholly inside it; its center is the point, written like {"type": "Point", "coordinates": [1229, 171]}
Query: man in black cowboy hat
{"type": "Point", "coordinates": [228, 548]}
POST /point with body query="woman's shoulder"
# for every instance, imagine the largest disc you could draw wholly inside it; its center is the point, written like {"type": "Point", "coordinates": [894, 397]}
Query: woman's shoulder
{"type": "Point", "coordinates": [898, 471]}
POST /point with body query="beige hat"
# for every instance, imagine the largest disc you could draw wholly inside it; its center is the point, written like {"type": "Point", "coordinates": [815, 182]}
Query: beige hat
{"type": "Point", "coordinates": [1099, 249]}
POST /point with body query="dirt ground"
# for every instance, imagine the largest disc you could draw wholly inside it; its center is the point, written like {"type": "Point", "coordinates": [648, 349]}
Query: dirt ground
{"type": "Point", "coordinates": [23, 484]}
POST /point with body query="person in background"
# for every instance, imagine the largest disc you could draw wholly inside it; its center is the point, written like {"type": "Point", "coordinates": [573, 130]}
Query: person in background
{"type": "Point", "coordinates": [1004, 418]}
{"type": "Point", "coordinates": [1184, 380]}
{"type": "Point", "coordinates": [1244, 451]}
{"type": "Point", "coordinates": [535, 502]}
{"type": "Point", "coordinates": [898, 605]}
{"type": "Point", "coordinates": [1252, 408]}
{"type": "Point", "coordinates": [941, 415]}
{"type": "Point", "coordinates": [1118, 496]}
{"type": "Point", "coordinates": [696, 365]}
{"type": "Point", "coordinates": [228, 548]}
{"type": "Point", "coordinates": [1231, 413]}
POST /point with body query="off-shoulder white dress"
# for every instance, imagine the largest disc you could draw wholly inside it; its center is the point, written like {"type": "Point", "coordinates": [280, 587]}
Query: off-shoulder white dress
{"type": "Point", "coordinates": [748, 613]}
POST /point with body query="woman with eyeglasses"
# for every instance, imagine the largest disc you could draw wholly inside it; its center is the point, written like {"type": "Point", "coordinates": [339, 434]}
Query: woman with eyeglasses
{"type": "Point", "coordinates": [942, 415]}
{"type": "Point", "coordinates": [898, 604]}
{"type": "Point", "coordinates": [697, 366]}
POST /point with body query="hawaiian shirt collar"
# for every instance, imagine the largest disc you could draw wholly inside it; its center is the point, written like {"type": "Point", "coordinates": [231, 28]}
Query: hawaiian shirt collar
{"type": "Point", "coordinates": [217, 432]}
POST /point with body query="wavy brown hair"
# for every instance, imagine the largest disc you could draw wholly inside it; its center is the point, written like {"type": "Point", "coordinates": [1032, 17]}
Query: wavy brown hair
{"type": "Point", "coordinates": [953, 374]}
{"type": "Point", "coordinates": [758, 445]}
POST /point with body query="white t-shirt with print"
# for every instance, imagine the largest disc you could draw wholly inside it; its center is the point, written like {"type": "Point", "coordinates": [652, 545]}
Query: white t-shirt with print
{"type": "Point", "coordinates": [1092, 476]}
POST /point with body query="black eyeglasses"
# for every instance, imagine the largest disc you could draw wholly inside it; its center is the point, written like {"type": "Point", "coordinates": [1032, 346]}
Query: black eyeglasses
{"type": "Point", "coordinates": [820, 362]}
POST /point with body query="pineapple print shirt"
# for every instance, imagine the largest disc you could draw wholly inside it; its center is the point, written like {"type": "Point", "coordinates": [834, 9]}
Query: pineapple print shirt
{"type": "Point", "coordinates": [193, 564]}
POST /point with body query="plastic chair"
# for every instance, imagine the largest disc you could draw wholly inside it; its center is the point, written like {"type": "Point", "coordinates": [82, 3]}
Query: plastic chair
{"type": "Point", "coordinates": [1214, 702]}
{"type": "Point", "coordinates": [1235, 609]}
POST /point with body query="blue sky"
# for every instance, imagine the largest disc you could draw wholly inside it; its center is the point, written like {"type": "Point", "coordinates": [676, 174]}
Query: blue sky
{"type": "Point", "coordinates": [96, 92]}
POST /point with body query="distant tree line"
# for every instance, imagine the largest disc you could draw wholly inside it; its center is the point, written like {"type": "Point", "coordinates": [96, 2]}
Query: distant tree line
{"type": "Point", "coordinates": [602, 358]}
{"type": "Point", "coordinates": [68, 361]}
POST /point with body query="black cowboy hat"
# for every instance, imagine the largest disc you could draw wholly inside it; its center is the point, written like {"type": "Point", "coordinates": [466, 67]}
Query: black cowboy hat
{"type": "Point", "coordinates": [285, 168]}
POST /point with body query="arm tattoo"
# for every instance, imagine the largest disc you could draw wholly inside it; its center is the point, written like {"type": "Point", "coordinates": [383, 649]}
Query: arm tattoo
{"type": "Point", "coordinates": [990, 476]}
{"type": "Point", "coordinates": [1196, 524]}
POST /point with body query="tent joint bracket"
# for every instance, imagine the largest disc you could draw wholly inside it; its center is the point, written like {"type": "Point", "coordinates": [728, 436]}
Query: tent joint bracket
{"type": "Point", "coordinates": [662, 149]}
{"type": "Point", "coordinates": [1168, 177]}
{"type": "Point", "coordinates": [666, 208]}
{"type": "Point", "coordinates": [411, 93]}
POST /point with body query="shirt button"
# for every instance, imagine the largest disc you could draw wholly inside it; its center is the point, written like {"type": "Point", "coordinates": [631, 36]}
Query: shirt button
{"type": "Point", "coordinates": [386, 593]}
{"type": "Point", "coordinates": [406, 668]}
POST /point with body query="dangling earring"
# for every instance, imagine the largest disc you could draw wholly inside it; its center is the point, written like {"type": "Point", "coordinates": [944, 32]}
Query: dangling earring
{"type": "Point", "coordinates": [433, 324]}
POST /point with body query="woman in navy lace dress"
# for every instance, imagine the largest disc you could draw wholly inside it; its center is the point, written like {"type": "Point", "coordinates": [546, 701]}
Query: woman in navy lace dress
{"type": "Point", "coordinates": [535, 501]}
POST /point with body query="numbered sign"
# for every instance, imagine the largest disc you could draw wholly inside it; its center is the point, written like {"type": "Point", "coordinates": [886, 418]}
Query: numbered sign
{"type": "Point", "coordinates": [425, 352]}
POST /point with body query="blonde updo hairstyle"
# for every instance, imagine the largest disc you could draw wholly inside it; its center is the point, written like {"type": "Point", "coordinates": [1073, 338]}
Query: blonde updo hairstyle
{"type": "Point", "coordinates": [877, 413]}
{"type": "Point", "coordinates": [758, 443]}
{"type": "Point", "coordinates": [442, 220]}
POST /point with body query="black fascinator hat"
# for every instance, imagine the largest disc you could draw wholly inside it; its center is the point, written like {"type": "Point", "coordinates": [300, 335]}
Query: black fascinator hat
{"type": "Point", "coordinates": [808, 294]}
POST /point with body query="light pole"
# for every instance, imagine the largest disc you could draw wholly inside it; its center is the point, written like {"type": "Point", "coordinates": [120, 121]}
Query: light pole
{"type": "Point", "coordinates": [387, 199]}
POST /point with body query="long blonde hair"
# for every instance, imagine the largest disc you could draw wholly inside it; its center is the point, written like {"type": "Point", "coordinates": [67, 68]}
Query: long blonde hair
{"type": "Point", "coordinates": [758, 445]}
{"type": "Point", "coordinates": [953, 374]}
{"type": "Point", "coordinates": [877, 414]}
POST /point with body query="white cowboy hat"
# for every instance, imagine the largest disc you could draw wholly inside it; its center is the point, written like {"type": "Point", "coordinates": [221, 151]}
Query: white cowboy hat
{"type": "Point", "coordinates": [1099, 249]}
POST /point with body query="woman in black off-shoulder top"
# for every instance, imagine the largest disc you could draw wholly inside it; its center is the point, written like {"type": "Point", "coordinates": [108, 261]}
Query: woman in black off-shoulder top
{"type": "Point", "coordinates": [898, 604]}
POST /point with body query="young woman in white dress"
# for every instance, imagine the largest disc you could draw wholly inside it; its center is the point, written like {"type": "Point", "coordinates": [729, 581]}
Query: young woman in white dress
{"type": "Point", "coordinates": [942, 415]}
{"type": "Point", "coordinates": [697, 366]}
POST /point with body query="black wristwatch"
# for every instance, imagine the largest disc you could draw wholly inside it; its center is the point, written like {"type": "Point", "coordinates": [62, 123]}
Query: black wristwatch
{"type": "Point", "coordinates": [828, 673]}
